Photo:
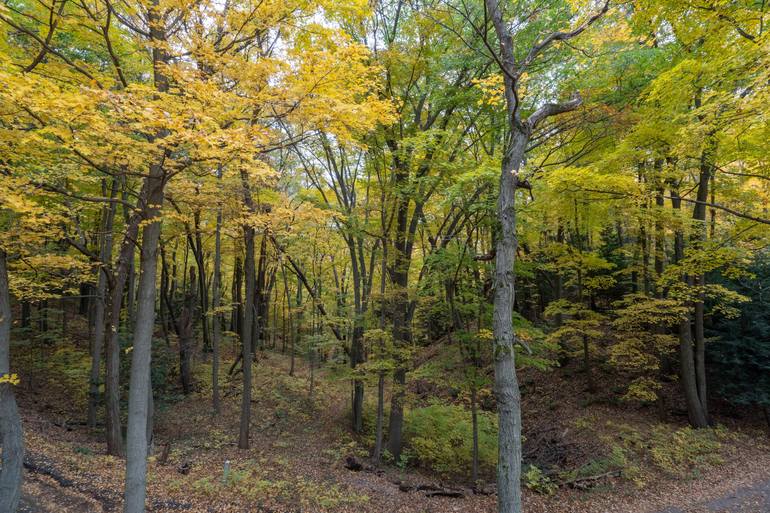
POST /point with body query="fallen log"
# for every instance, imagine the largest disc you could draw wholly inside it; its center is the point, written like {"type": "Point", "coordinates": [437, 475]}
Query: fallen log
{"type": "Point", "coordinates": [583, 483]}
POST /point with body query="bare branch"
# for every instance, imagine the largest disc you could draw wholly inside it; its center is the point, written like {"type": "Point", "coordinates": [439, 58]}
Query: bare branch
{"type": "Point", "coordinates": [538, 48]}
{"type": "Point", "coordinates": [552, 109]}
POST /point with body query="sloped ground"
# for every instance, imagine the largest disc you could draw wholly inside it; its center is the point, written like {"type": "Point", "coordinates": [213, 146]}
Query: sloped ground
{"type": "Point", "coordinates": [296, 463]}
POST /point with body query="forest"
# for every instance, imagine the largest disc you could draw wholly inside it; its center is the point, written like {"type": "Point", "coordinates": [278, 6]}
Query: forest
{"type": "Point", "coordinates": [385, 256]}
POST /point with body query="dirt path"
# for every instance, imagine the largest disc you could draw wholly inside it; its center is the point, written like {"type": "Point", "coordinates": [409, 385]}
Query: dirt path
{"type": "Point", "coordinates": [44, 495]}
{"type": "Point", "coordinates": [750, 499]}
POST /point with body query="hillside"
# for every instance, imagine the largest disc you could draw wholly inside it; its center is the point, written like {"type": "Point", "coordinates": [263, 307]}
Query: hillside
{"type": "Point", "coordinates": [297, 461]}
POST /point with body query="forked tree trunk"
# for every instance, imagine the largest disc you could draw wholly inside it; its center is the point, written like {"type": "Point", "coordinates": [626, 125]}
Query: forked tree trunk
{"type": "Point", "coordinates": [114, 432]}
{"type": "Point", "coordinates": [11, 435]}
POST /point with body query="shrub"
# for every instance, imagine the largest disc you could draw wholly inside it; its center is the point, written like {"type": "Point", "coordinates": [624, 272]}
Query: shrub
{"type": "Point", "coordinates": [537, 481]}
{"type": "Point", "coordinates": [440, 437]}
{"type": "Point", "coordinates": [686, 451]}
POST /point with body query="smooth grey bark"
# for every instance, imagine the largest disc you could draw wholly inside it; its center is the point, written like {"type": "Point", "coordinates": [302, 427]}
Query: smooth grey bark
{"type": "Point", "coordinates": [11, 434]}
{"type": "Point", "coordinates": [139, 434]}
{"type": "Point", "coordinates": [100, 304]}
{"type": "Point", "coordinates": [137, 439]}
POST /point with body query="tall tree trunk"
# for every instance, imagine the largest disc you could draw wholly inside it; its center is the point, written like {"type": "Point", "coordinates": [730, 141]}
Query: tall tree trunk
{"type": "Point", "coordinates": [216, 286]}
{"type": "Point", "coordinates": [237, 293]}
{"type": "Point", "coordinates": [203, 287]}
{"type": "Point", "coordinates": [381, 375]}
{"type": "Point", "coordinates": [114, 432]}
{"type": "Point", "coordinates": [506, 383]}
{"type": "Point", "coordinates": [11, 435]}
{"type": "Point", "coordinates": [261, 294]}
{"type": "Point", "coordinates": [137, 441]}
{"type": "Point", "coordinates": [357, 340]}
{"type": "Point", "coordinates": [700, 236]}
{"type": "Point", "coordinates": [184, 330]}
{"type": "Point", "coordinates": [297, 326]}
{"type": "Point", "coordinates": [140, 391]}
{"type": "Point", "coordinates": [475, 427]}
{"type": "Point", "coordinates": [247, 322]}
{"type": "Point", "coordinates": [402, 333]}
{"type": "Point", "coordinates": [695, 411]}
{"type": "Point", "coordinates": [105, 258]}
{"type": "Point", "coordinates": [130, 289]}
{"type": "Point", "coordinates": [290, 333]}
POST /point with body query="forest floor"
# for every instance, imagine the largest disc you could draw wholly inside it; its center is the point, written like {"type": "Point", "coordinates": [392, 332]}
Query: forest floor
{"type": "Point", "coordinates": [299, 445]}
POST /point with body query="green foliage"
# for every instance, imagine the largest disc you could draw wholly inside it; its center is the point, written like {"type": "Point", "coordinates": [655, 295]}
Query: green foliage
{"type": "Point", "coordinates": [642, 332]}
{"type": "Point", "coordinates": [740, 349]}
{"type": "Point", "coordinates": [681, 452]}
{"type": "Point", "coordinates": [537, 481]}
{"type": "Point", "coordinates": [686, 451]}
{"type": "Point", "coordinates": [440, 437]}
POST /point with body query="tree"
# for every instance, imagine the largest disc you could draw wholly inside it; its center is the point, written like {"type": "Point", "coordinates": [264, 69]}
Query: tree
{"type": "Point", "coordinates": [10, 422]}
{"type": "Point", "coordinates": [506, 385]}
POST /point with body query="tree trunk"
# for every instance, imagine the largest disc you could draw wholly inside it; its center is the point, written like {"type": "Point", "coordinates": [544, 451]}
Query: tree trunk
{"type": "Point", "coordinates": [237, 291]}
{"type": "Point", "coordinates": [475, 425]}
{"type": "Point", "coordinates": [202, 287]}
{"type": "Point", "coordinates": [11, 434]}
{"type": "Point", "coordinates": [140, 391]}
{"type": "Point", "coordinates": [297, 327]}
{"type": "Point", "coordinates": [140, 385]}
{"type": "Point", "coordinates": [105, 258]}
{"type": "Point", "coordinates": [216, 286]}
{"type": "Point", "coordinates": [402, 333]}
{"type": "Point", "coordinates": [184, 330]}
{"type": "Point", "coordinates": [247, 324]}
{"type": "Point", "coordinates": [506, 383]}
{"type": "Point", "coordinates": [114, 433]}
{"type": "Point", "coordinates": [381, 375]}
{"type": "Point", "coordinates": [695, 413]}
{"type": "Point", "coordinates": [700, 236]}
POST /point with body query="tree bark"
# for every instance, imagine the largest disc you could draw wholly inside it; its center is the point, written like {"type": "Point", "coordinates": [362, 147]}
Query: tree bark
{"type": "Point", "coordinates": [700, 236]}
{"type": "Point", "coordinates": [140, 386]}
{"type": "Point", "coordinates": [140, 391]}
{"type": "Point", "coordinates": [184, 330]}
{"type": "Point", "coordinates": [11, 434]}
{"type": "Point", "coordinates": [247, 322]}
{"type": "Point", "coordinates": [114, 433]}
{"type": "Point", "coordinates": [695, 413]}
{"type": "Point", "coordinates": [216, 286]}
{"type": "Point", "coordinates": [506, 382]}
{"type": "Point", "coordinates": [105, 258]}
